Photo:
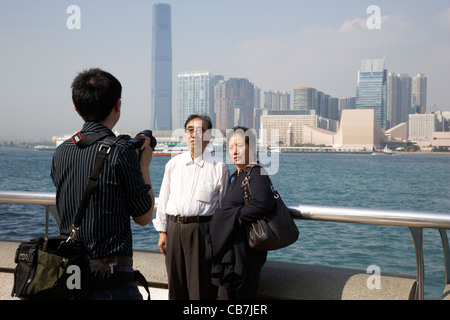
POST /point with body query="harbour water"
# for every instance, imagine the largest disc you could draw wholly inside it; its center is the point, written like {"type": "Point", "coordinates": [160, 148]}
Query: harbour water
{"type": "Point", "coordinates": [404, 182]}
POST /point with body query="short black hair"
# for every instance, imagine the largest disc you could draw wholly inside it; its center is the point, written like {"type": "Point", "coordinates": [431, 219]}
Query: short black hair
{"type": "Point", "coordinates": [249, 134]}
{"type": "Point", "coordinates": [94, 94]}
{"type": "Point", "coordinates": [200, 116]}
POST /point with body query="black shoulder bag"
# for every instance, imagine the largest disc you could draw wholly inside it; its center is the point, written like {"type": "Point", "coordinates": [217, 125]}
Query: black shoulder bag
{"type": "Point", "coordinates": [277, 229]}
{"type": "Point", "coordinates": [57, 268]}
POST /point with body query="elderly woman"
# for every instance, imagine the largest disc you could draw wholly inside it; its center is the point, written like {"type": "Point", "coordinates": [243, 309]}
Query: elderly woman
{"type": "Point", "coordinates": [236, 267]}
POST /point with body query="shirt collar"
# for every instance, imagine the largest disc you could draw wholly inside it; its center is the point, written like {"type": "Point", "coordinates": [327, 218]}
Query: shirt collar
{"type": "Point", "coordinates": [95, 127]}
{"type": "Point", "coordinates": [200, 160]}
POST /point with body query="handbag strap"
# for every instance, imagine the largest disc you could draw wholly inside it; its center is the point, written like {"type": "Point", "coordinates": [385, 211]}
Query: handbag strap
{"type": "Point", "coordinates": [92, 182]}
{"type": "Point", "coordinates": [246, 185]}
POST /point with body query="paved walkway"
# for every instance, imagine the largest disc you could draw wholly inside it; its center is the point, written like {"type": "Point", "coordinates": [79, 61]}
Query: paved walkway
{"type": "Point", "coordinates": [6, 284]}
{"type": "Point", "coordinates": [7, 281]}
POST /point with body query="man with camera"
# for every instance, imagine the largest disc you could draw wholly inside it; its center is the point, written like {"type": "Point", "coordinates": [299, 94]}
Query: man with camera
{"type": "Point", "coordinates": [123, 190]}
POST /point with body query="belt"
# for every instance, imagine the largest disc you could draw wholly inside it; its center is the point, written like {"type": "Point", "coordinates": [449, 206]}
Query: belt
{"type": "Point", "coordinates": [117, 261]}
{"type": "Point", "coordinates": [192, 219]}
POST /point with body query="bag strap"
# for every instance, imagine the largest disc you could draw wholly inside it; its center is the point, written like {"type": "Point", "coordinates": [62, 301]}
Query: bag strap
{"type": "Point", "coordinates": [246, 185]}
{"type": "Point", "coordinates": [92, 183]}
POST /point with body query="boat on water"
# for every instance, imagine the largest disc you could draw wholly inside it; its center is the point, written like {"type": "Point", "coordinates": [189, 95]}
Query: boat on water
{"type": "Point", "coordinates": [42, 147]}
{"type": "Point", "coordinates": [169, 150]}
{"type": "Point", "coordinates": [275, 149]}
{"type": "Point", "coordinates": [385, 151]}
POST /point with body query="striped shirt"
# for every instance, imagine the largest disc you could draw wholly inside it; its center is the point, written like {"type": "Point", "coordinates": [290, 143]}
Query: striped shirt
{"type": "Point", "coordinates": [121, 193]}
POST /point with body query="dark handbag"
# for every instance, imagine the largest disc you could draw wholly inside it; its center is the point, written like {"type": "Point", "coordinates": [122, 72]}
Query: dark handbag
{"type": "Point", "coordinates": [276, 230]}
{"type": "Point", "coordinates": [57, 268]}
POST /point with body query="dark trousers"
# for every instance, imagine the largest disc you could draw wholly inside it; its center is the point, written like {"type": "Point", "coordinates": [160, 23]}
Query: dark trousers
{"type": "Point", "coordinates": [249, 288]}
{"type": "Point", "coordinates": [188, 269]}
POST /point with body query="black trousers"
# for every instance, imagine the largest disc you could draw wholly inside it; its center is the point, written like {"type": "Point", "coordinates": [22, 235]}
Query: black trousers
{"type": "Point", "coordinates": [188, 269]}
{"type": "Point", "coordinates": [249, 288]}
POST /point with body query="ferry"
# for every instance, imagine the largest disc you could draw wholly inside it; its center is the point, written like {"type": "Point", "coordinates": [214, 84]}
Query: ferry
{"type": "Point", "coordinates": [275, 149]}
{"type": "Point", "coordinates": [386, 151]}
{"type": "Point", "coordinates": [169, 150]}
{"type": "Point", "coordinates": [42, 147]}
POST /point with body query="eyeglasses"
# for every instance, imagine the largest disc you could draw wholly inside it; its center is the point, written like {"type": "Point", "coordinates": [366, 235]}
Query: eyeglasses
{"type": "Point", "coordinates": [198, 130]}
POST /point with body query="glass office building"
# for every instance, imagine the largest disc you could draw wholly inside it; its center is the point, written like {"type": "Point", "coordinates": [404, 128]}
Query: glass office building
{"type": "Point", "coordinates": [398, 99]}
{"type": "Point", "coordinates": [371, 90]}
{"type": "Point", "coordinates": [196, 95]}
{"type": "Point", "coordinates": [161, 81]}
{"type": "Point", "coordinates": [419, 93]}
{"type": "Point", "coordinates": [234, 103]}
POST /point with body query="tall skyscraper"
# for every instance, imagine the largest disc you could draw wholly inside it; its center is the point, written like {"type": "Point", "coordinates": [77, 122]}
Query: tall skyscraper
{"type": "Point", "coordinates": [371, 89]}
{"type": "Point", "coordinates": [347, 103]}
{"type": "Point", "coordinates": [277, 100]}
{"type": "Point", "coordinates": [161, 81]}
{"type": "Point", "coordinates": [196, 94]}
{"type": "Point", "coordinates": [234, 103]}
{"type": "Point", "coordinates": [305, 98]}
{"type": "Point", "coordinates": [419, 93]}
{"type": "Point", "coordinates": [398, 99]}
{"type": "Point", "coordinates": [316, 102]}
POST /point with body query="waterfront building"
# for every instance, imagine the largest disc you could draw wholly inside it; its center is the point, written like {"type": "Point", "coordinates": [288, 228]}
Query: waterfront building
{"type": "Point", "coordinates": [234, 103]}
{"type": "Point", "coordinates": [161, 76]}
{"type": "Point", "coordinates": [277, 100]}
{"type": "Point", "coordinates": [286, 127]}
{"type": "Point", "coordinates": [426, 129]}
{"type": "Point", "coordinates": [346, 103]}
{"type": "Point", "coordinates": [371, 88]}
{"type": "Point", "coordinates": [429, 129]}
{"type": "Point", "coordinates": [441, 139]}
{"type": "Point", "coordinates": [398, 99]}
{"type": "Point", "coordinates": [419, 93]}
{"type": "Point", "coordinates": [398, 133]}
{"type": "Point", "coordinates": [196, 94]}
{"type": "Point", "coordinates": [358, 129]}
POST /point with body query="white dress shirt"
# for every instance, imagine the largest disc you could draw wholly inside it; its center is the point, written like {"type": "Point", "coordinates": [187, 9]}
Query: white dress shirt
{"type": "Point", "coordinates": [191, 188]}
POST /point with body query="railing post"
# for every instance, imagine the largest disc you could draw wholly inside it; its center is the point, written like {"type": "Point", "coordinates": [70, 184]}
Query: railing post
{"type": "Point", "coordinates": [47, 216]}
{"type": "Point", "coordinates": [445, 248]}
{"type": "Point", "coordinates": [417, 234]}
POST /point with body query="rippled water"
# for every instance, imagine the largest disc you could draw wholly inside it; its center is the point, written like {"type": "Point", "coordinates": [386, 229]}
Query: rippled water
{"type": "Point", "coordinates": [410, 182]}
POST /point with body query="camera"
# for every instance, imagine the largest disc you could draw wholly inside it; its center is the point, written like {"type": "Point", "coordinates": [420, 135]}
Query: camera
{"type": "Point", "coordinates": [138, 141]}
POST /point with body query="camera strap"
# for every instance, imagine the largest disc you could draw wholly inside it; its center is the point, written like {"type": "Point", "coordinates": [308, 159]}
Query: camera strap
{"type": "Point", "coordinates": [86, 139]}
{"type": "Point", "coordinates": [92, 183]}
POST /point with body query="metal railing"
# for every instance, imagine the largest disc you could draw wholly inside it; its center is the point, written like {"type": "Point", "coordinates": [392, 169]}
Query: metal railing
{"type": "Point", "coordinates": [416, 221]}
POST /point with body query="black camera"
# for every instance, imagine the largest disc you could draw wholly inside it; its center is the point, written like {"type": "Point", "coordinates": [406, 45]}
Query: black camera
{"type": "Point", "coordinates": [137, 141]}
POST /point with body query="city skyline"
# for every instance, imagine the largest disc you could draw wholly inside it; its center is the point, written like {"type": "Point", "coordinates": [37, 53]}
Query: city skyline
{"type": "Point", "coordinates": [278, 46]}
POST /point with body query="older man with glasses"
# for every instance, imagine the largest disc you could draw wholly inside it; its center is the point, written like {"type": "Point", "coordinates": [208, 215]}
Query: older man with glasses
{"type": "Point", "coordinates": [193, 186]}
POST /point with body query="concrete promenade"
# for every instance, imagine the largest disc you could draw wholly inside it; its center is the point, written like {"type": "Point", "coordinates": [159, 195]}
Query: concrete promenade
{"type": "Point", "coordinates": [279, 280]}
{"type": "Point", "coordinates": [7, 280]}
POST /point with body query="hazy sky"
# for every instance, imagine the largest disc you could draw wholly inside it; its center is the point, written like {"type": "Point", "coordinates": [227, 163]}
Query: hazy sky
{"type": "Point", "coordinates": [278, 45]}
